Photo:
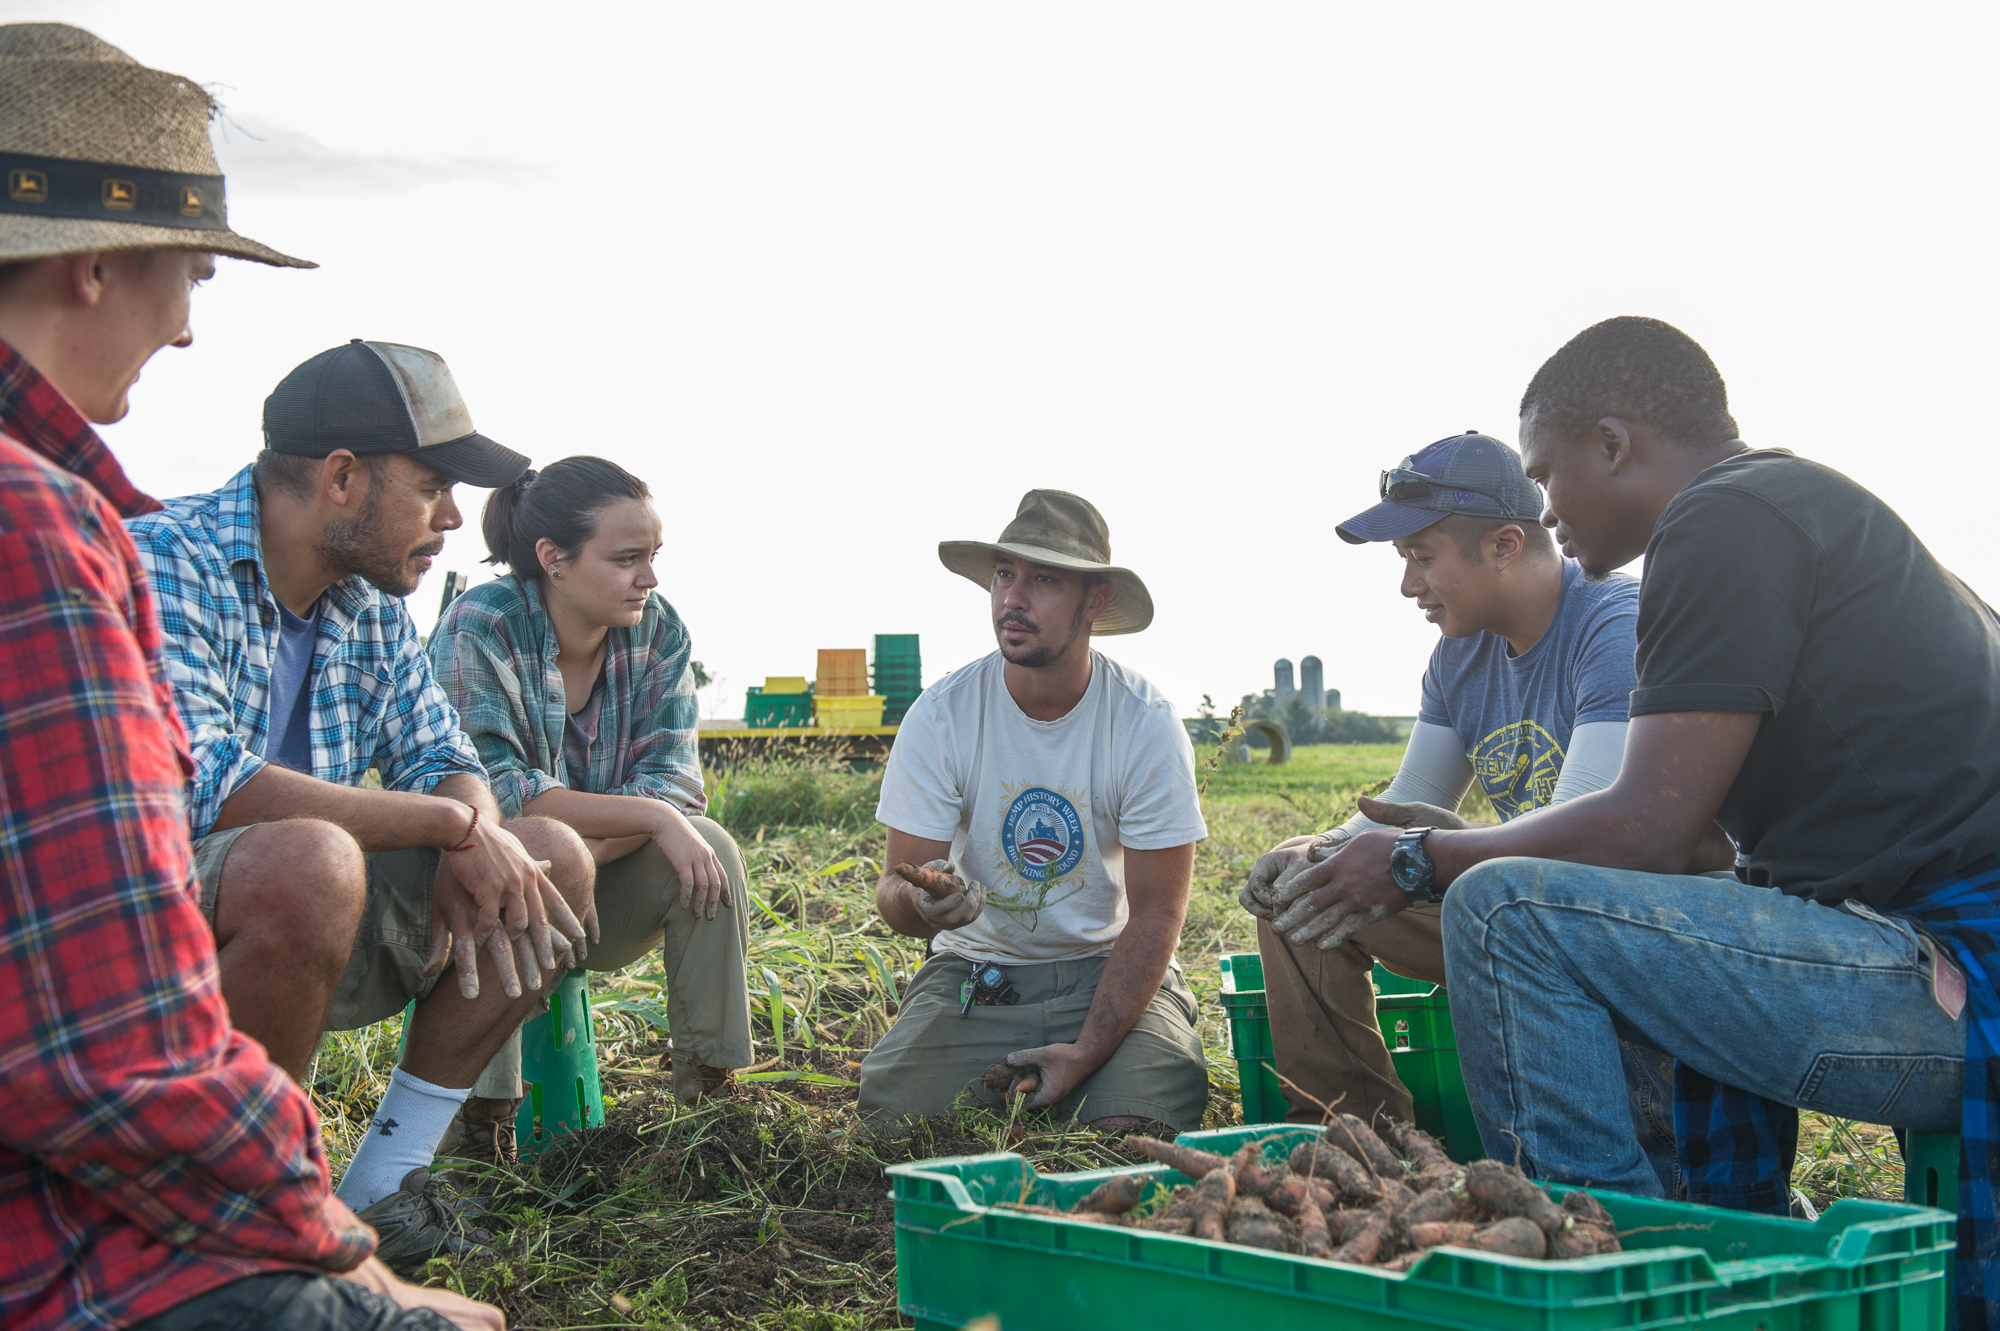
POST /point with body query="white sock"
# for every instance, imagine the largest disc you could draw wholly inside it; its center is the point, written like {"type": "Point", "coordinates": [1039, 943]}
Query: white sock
{"type": "Point", "coordinates": [403, 1136]}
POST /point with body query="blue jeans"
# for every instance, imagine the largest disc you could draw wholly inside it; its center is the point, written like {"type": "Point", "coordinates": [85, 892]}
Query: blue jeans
{"type": "Point", "coordinates": [1551, 963]}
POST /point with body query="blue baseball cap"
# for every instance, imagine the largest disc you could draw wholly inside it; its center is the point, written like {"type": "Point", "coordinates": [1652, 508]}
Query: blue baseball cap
{"type": "Point", "coordinates": [1470, 473]}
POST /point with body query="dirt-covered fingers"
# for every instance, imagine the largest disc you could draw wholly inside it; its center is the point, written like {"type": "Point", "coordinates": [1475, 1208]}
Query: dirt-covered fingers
{"type": "Point", "coordinates": [1351, 924]}
{"type": "Point", "coordinates": [1272, 863]}
{"type": "Point", "coordinates": [1250, 902]}
{"type": "Point", "coordinates": [951, 912]}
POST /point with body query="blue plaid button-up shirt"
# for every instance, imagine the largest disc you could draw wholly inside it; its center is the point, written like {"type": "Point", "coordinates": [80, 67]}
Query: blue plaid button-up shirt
{"type": "Point", "coordinates": [374, 700]}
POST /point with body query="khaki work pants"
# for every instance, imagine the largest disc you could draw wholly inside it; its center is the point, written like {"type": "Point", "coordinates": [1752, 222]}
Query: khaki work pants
{"type": "Point", "coordinates": [1324, 1036]}
{"type": "Point", "coordinates": [638, 909]}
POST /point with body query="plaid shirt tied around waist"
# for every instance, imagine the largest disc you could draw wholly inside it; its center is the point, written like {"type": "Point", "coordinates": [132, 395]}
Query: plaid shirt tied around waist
{"type": "Point", "coordinates": [374, 701]}
{"type": "Point", "coordinates": [148, 1152]}
{"type": "Point", "coordinates": [1737, 1147]}
{"type": "Point", "coordinates": [495, 654]}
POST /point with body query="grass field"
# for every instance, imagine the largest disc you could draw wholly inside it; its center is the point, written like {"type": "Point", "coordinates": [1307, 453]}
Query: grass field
{"type": "Point", "coordinates": [768, 1209]}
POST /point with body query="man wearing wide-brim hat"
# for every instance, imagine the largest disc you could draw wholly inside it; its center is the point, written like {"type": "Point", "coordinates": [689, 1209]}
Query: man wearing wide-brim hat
{"type": "Point", "coordinates": [156, 1163]}
{"type": "Point", "coordinates": [1042, 819]}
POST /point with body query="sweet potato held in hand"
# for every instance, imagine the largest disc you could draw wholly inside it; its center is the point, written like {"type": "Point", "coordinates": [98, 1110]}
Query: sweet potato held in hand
{"type": "Point", "coordinates": [929, 880]}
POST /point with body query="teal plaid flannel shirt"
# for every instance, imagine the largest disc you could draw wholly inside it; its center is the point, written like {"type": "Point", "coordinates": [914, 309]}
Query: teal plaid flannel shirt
{"type": "Point", "coordinates": [494, 652]}
{"type": "Point", "coordinates": [374, 700]}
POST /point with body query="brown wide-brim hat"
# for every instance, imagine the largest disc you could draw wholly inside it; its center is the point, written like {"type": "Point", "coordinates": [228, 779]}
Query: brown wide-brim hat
{"type": "Point", "coordinates": [98, 152]}
{"type": "Point", "coordinates": [1060, 530]}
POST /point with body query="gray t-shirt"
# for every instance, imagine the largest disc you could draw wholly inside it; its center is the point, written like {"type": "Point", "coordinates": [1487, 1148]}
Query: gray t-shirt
{"type": "Point", "coordinates": [1515, 714]}
{"type": "Point", "coordinates": [291, 689]}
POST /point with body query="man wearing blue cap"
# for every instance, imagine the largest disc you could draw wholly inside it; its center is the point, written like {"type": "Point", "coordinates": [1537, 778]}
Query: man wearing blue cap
{"type": "Point", "coordinates": [1526, 696]}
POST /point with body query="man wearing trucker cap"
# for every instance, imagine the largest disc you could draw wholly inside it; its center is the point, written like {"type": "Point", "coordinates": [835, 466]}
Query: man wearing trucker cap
{"type": "Point", "coordinates": [1525, 697]}
{"type": "Point", "coordinates": [296, 669]}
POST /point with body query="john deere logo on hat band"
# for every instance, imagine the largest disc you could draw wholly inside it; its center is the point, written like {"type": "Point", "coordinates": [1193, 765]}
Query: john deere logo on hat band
{"type": "Point", "coordinates": [59, 187]}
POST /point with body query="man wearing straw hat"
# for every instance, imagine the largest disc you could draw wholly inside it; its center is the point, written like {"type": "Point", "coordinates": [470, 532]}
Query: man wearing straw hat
{"type": "Point", "coordinates": [156, 1166]}
{"type": "Point", "coordinates": [1042, 817]}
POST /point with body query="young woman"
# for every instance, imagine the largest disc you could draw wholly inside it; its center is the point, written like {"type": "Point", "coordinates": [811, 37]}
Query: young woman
{"type": "Point", "coordinates": [571, 675]}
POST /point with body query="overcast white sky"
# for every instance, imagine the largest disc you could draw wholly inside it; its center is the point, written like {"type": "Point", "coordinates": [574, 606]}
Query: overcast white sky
{"type": "Point", "coordinates": [844, 280]}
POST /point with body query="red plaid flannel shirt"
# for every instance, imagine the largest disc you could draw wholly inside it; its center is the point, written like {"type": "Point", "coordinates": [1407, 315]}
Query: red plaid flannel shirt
{"type": "Point", "coordinates": [148, 1151]}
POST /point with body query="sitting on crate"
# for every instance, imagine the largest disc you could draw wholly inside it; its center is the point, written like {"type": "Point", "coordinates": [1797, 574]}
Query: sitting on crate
{"type": "Point", "coordinates": [571, 675]}
{"type": "Point", "coordinates": [296, 668]}
{"type": "Point", "coordinates": [1813, 680]}
{"type": "Point", "coordinates": [1525, 696]}
{"type": "Point", "coordinates": [1042, 804]}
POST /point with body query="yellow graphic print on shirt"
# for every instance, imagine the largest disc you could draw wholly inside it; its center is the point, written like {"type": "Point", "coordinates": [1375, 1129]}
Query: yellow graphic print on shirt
{"type": "Point", "coordinates": [1517, 767]}
{"type": "Point", "coordinates": [1043, 842]}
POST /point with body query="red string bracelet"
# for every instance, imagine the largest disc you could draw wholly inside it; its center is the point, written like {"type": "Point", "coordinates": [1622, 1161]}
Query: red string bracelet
{"type": "Point", "coordinates": [467, 843]}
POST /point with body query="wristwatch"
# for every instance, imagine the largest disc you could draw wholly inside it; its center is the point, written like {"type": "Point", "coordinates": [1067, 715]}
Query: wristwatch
{"type": "Point", "coordinates": [1410, 866]}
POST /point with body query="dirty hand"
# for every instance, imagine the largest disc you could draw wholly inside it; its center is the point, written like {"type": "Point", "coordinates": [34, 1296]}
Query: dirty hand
{"type": "Point", "coordinates": [1335, 899]}
{"type": "Point", "coordinates": [703, 884]}
{"type": "Point", "coordinates": [1280, 864]}
{"type": "Point", "coordinates": [1063, 1068]}
{"type": "Point", "coordinates": [541, 935]}
{"type": "Point", "coordinates": [941, 897]}
{"type": "Point", "coordinates": [462, 1312]}
{"type": "Point", "coordinates": [1413, 814]}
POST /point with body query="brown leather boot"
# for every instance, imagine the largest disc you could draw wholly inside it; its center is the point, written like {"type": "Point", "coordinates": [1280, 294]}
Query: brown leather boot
{"type": "Point", "coordinates": [482, 1130]}
{"type": "Point", "coordinates": [695, 1081]}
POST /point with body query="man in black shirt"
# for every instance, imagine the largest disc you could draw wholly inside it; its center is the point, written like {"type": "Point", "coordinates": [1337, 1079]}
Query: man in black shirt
{"type": "Point", "coordinates": [1812, 683]}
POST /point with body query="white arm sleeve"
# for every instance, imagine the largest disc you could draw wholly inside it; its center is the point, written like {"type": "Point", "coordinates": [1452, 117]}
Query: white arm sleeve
{"type": "Point", "coordinates": [1596, 751]}
{"type": "Point", "coordinates": [1435, 770]}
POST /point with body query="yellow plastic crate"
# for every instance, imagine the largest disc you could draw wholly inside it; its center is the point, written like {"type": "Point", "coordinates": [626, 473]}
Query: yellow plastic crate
{"type": "Point", "coordinates": [784, 683]}
{"type": "Point", "coordinates": [839, 713]}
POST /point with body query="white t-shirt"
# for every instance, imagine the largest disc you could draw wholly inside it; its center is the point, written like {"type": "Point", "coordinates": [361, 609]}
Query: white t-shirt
{"type": "Point", "coordinates": [1041, 812]}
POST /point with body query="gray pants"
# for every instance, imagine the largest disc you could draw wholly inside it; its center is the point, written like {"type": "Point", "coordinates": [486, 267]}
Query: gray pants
{"type": "Point", "coordinates": [638, 909]}
{"type": "Point", "coordinates": [934, 1054]}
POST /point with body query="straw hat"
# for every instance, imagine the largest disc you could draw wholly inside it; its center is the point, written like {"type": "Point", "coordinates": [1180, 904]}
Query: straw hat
{"type": "Point", "coordinates": [98, 152]}
{"type": "Point", "coordinates": [1063, 531]}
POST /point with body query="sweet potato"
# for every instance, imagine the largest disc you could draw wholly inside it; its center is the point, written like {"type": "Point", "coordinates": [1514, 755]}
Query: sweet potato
{"type": "Point", "coordinates": [1314, 1238]}
{"type": "Point", "coordinates": [1433, 1232]}
{"type": "Point", "coordinates": [1406, 1261]}
{"type": "Point", "coordinates": [1169, 1224]}
{"type": "Point", "coordinates": [929, 880]}
{"type": "Point", "coordinates": [1349, 1177]}
{"type": "Point", "coordinates": [1344, 1225]}
{"type": "Point", "coordinates": [1253, 1177]}
{"type": "Point", "coordinates": [1114, 1196]}
{"type": "Point", "coordinates": [1516, 1236]}
{"type": "Point", "coordinates": [1190, 1162]}
{"type": "Point", "coordinates": [1420, 1149]}
{"type": "Point", "coordinates": [1586, 1207]}
{"type": "Point", "coordinates": [1368, 1243]}
{"type": "Point", "coordinates": [1213, 1197]}
{"type": "Point", "coordinates": [1506, 1191]}
{"type": "Point", "coordinates": [1252, 1224]}
{"type": "Point", "coordinates": [1295, 1191]}
{"type": "Point", "coordinates": [1605, 1237]}
{"type": "Point", "coordinates": [1350, 1134]}
{"type": "Point", "coordinates": [1575, 1241]}
{"type": "Point", "coordinates": [1437, 1206]}
{"type": "Point", "coordinates": [1004, 1079]}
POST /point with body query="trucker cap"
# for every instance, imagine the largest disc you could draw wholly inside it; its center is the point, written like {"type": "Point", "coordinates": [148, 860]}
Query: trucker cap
{"type": "Point", "coordinates": [1473, 474]}
{"type": "Point", "coordinates": [383, 397]}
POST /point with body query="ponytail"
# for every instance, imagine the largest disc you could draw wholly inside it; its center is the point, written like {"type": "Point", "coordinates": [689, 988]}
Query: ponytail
{"type": "Point", "coordinates": [559, 503]}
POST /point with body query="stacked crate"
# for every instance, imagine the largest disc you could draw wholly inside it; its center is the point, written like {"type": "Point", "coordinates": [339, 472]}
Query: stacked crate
{"type": "Point", "coordinates": [898, 674]}
{"type": "Point", "coordinates": [841, 700]}
{"type": "Point", "coordinates": [784, 700]}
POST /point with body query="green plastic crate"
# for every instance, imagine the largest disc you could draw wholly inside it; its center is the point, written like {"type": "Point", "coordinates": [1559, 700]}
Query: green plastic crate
{"type": "Point", "coordinates": [1930, 1169]}
{"type": "Point", "coordinates": [772, 711]}
{"type": "Point", "coordinates": [1863, 1266]}
{"type": "Point", "coordinates": [1416, 1026]}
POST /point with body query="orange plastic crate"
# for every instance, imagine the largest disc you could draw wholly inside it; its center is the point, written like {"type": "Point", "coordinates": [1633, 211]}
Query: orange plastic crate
{"type": "Point", "coordinates": [843, 673]}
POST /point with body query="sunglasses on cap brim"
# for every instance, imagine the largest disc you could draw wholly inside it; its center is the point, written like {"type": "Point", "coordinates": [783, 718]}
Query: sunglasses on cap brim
{"type": "Point", "coordinates": [1405, 484]}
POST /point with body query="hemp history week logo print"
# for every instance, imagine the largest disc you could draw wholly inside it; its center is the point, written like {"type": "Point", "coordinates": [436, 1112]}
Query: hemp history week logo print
{"type": "Point", "coordinates": [1042, 838]}
{"type": "Point", "coordinates": [1517, 766]}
